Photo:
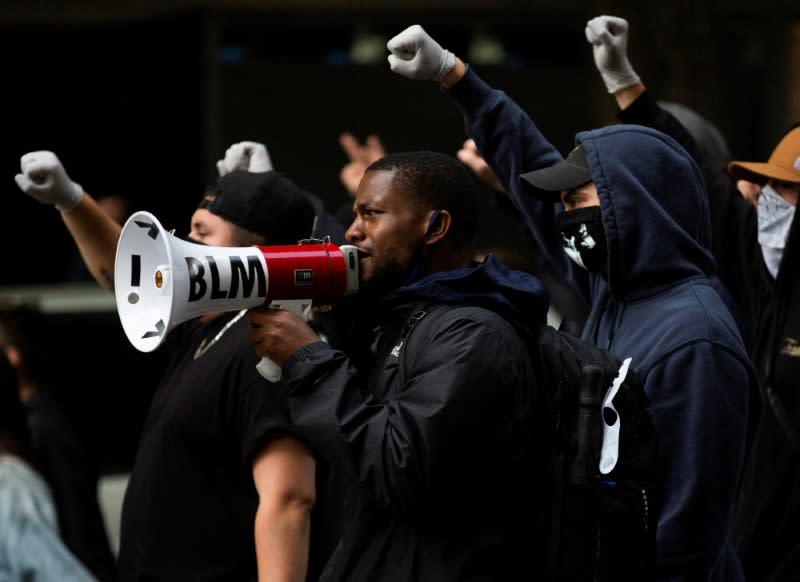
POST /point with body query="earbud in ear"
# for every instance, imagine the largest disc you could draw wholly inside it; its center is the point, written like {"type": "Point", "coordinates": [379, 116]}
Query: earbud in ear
{"type": "Point", "coordinates": [432, 222]}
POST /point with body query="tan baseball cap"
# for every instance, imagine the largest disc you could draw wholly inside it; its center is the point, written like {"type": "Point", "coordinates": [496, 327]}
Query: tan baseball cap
{"type": "Point", "coordinates": [783, 164]}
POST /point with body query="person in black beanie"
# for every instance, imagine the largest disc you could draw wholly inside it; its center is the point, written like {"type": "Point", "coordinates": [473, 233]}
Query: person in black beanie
{"type": "Point", "coordinates": [217, 463]}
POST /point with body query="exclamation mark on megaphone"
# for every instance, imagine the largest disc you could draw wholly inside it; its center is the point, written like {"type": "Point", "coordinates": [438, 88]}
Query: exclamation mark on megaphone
{"type": "Point", "coordinates": [162, 281]}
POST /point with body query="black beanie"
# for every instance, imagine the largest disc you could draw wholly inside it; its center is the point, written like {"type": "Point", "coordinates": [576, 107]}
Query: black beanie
{"type": "Point", "coordinates": [265, 203]}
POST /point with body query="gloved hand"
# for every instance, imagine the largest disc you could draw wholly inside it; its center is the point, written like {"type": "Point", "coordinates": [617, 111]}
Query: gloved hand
{"type": "Point", "coordinates": [609, 38]}
{"type": "Point", "coordinates": [43, 178]}
{"type": "Point", "coordinates": [250, 156]}
{"type": "Point", "coordinates": [417, 56]}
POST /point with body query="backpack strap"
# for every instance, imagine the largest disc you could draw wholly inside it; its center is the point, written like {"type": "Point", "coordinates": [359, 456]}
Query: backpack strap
{"type": "Point", "coordinates": [422, 317]}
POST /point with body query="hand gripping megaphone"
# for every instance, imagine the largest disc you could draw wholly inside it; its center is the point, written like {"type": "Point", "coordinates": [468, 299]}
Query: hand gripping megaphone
{"type": "Point", "coordinates": [161, 281]}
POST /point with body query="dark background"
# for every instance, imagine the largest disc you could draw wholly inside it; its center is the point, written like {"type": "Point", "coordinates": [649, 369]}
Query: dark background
{"type": "Point", "coordinates": [140, 99]}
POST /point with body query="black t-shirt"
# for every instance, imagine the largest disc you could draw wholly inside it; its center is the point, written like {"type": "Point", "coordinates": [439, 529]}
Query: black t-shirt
{"type": "Point", "coordinates": [190, 505]}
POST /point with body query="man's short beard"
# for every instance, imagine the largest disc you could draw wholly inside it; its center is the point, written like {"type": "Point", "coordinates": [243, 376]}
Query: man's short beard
{"type": "Point", "coordinates": [385, 278]}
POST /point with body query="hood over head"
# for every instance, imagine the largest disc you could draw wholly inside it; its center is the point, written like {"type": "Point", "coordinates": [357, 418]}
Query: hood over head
{"type": "Point", "coordinates": [654, 207]}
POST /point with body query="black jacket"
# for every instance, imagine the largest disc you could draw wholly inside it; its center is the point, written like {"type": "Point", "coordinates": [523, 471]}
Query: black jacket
{"type": "Point", "coordinates": [766, 533]}
{"type": "Point", "coordinates": [442, 461]}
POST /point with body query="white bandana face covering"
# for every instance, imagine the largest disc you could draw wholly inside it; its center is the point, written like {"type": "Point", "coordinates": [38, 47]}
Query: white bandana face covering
{"type": "Point", "coordinates": [775, 217]}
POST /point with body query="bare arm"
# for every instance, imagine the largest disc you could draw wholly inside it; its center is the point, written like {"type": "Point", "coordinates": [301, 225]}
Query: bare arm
{"type": "Point", "coordinates": [455, 74]}
{"type": "Point", "coordinates": [625, 97]}
{"type": "Point", "coordinates": [284, 477]}
{"type": "Point", "coordinates": [43, 178]}
{"type": "Point", "coordinates": [96, 235]}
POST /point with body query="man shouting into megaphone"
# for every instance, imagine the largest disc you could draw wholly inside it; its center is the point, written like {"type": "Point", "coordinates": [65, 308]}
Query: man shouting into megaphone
{"type": "Point", "coordinates": [435, 436]}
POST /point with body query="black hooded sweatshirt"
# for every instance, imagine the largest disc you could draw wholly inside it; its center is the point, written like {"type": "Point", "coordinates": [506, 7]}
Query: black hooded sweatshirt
{"type": "Point", "coordinates": [654, 303]}
{"type": "Point", "coordinates": [766, 533]}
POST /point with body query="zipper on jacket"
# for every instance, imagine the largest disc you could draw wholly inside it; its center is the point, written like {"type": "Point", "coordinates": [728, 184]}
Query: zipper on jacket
{"type": "Point", "coordinates": [614, 312]}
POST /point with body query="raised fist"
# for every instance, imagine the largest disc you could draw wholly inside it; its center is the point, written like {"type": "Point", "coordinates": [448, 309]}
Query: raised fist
{"type": "Point", "coordinates": [250, 156]}
{"type": "Point", "coordinates": [417, 56]}
{"type": "Point", "coordinates": [43, 177]}
{"type": "Point", "coordinates": [608, 36]}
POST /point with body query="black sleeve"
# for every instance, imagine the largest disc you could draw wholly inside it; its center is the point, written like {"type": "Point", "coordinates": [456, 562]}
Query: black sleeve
{"type": "Point", "coordinates": [458, 399]}
{"type": "Point", "coordinates": [258, 408]}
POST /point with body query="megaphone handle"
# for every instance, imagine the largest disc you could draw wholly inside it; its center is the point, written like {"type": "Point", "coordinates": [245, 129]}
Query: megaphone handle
{"type": "Point", "coordinates": [266, 367]}
{"type": "Point", "coordinates": [269, 370]}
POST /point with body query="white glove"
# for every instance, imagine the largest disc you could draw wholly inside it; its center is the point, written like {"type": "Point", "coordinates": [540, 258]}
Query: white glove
{"type": "Point", "coordinates": [609, 38]}
{"type": "Point", "coordinates": [250, 156]}
{"type": "Point", "coordinates": [417, 56]}
{"type": "Point", "coordinates": [43, 178]}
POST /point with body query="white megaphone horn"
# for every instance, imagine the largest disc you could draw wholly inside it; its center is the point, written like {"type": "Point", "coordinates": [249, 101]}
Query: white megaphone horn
{"type": "Point", "coordinates": [161, 281]}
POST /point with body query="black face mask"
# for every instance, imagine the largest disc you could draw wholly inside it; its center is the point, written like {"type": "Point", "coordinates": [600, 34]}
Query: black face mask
{"type": "Point", "coordinates": [584, 237]}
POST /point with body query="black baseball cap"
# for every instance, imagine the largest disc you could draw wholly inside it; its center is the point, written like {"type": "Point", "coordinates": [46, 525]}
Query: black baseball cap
{"type": "Point", "coordinates": [565, 175]}
{"type": "Point", "coordinates": [266, 203]}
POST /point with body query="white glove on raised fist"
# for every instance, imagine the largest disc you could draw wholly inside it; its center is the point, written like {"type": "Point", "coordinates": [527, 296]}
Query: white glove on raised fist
{"type": "Point", "coordinates": [609, 38]}
{"type": "Point", "coordinates": [250, 156]}
{"type": "Point", "coordinates": [417, 56]}
{"type": "Point", "coordinates": [43, 178]}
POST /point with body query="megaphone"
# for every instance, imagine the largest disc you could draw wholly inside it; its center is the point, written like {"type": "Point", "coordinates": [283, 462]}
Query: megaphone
{"type": "Point", "coordinates": [161, 281]}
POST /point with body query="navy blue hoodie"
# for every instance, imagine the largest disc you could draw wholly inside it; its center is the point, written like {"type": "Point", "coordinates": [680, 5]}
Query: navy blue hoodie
{"type": "Point", "coordinates": [441, 456]}
{"type": "Point", "coordinates": [655, 305]}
